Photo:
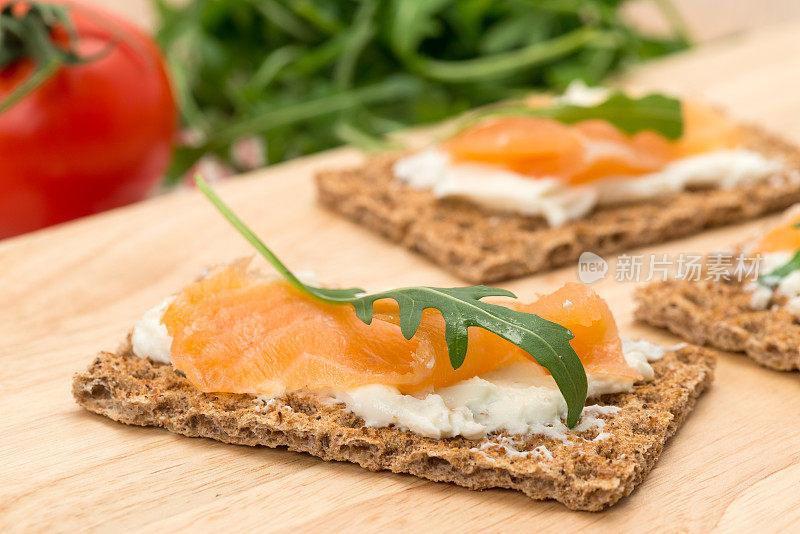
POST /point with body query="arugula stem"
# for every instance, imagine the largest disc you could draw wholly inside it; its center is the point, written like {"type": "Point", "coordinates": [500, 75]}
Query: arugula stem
{"type": "Point", "coordinates": [546, 342]}
{"type": "Point", "coordinates": [272, 65]}
{"type": "Point", "coordinates": [360, 35]}
{"type": "Point", "coordinates": [319, 18]}
{"type": "Point", "coordinates": [674, 19]}
{"type": "Point", "coordinates": [384, 91]}
{"type": "Point", "coordinates": [285, 19]}
{"type": "Point", "coordinates": [391, 89]}
{"type": "Point", "coordinates": [471, 70]}
{"type": "Point", "coordinates": [357, 137]}
{"type": "Point", "coordinates": [252, 238]}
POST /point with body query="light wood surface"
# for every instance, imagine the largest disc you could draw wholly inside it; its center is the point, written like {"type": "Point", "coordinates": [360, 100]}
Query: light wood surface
{"type": "Point", "coordinates": [67, 292]}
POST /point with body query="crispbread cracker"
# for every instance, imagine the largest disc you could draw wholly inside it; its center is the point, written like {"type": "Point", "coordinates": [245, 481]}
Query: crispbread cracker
{"type": "Point", "coordinates": [584, 473]}
{"type": "Point", "coordinates": [718, 313]}
{"type": "Point", "coordinates": [481, 245]}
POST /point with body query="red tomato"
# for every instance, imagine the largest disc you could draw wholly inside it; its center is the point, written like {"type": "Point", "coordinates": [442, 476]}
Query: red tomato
{"type": "Point", "coordinates": [94, 136]}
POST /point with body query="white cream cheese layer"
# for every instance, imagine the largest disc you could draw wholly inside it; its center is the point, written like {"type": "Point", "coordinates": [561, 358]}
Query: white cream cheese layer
{"type": "Point", "coordinates": [507, 399]}
{"type": "Point", "coordinates": [580, 94]}
{"type": "Point", "coordinates": [517, 399]}
{"type": "Point", "coordinates": [557, 201]}
{"type": "Point", "coordinates": [150, 338]}
{"type": "Point", "coordinates": [761, 297]}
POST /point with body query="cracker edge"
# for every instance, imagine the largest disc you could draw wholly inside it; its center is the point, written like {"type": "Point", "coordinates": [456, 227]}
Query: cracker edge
{"type": "Point", "coordinates": [129, 390]}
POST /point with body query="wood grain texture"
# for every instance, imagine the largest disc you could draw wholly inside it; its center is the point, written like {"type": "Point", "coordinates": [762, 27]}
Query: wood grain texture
{"type": "Point", "coordinates": [67, 292]}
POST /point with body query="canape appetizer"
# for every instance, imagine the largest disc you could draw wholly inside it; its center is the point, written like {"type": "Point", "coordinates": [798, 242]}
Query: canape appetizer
{"type": "Point", "coordinates": [542, 397]}
{"type": "Point", "coordinates": [524, 187]}
{"type": "Point", "coordinates": [758, 315]}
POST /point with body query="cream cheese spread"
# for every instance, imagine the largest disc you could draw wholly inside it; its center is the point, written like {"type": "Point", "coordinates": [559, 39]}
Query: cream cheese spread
{"type": "Point", "coordinates": [150, 338]}
{"type": "Point", "coordinates": [508, 399]}
{"type": "Point", "coordinates": [557, 201]}
{"type": "Point", "coordinates": [518, 399]}
{"type": "Point", "coordinates": [578, 93]}
{"type": "Point", "coordinates": [787, 288]}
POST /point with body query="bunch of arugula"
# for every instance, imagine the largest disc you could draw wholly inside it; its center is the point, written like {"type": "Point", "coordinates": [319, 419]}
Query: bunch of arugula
{"type": "Point", "coordinates": [305, 75]}
{"type": "Point", "coordinates": [461, 308]}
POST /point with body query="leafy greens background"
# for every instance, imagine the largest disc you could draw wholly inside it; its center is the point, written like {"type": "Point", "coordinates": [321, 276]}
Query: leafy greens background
{"type": "Point", "coordinates": [306, 75]}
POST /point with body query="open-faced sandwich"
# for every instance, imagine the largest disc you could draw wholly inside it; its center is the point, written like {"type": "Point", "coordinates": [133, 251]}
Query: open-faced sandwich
{"type": "Point", "coordinates": [759, 315]}
{"type": "Point", "coordinates": [524, 187]}
{"type": "Point", "coordinates": [435, 382]}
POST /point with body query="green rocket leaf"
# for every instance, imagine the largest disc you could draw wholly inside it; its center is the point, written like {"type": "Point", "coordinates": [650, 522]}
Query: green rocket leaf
{"type": "Point", "coordinates": [461, 307]}
{"type": "Point", "coordinates": [654, 112]}
{"type": "Point", "coordinates": [774, 278]}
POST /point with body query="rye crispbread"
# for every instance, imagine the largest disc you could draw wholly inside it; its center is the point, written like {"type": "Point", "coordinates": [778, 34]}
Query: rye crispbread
{"type": "Point", "coordinates": [482, 246]}
{"type": "Point", "coordinates": [718, 314]}
{"type": "Point", "coordinates": [581, 473]}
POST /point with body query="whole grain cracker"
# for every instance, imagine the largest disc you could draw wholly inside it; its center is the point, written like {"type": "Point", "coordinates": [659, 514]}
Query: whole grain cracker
{"type": "Point", "coordinates": [591, 471]}
{"type": "Point", "coordinates": [718, 314]}
{"type": "Point", "coordinates": [481, 246]}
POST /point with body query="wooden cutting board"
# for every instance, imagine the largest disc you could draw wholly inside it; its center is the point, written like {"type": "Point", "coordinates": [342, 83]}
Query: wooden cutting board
{"type": "Point", "coordinates": [67, 292]}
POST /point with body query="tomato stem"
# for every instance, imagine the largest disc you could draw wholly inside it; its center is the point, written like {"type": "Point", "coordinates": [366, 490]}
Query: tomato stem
{"type": "Point", "coordinates": [40, 75]}
{"type": "Point", "coordinates": [30, 33]}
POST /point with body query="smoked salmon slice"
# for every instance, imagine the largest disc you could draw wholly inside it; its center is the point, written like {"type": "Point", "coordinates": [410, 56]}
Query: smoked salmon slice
{"type": "Point", "coordinates": [588, 150]}
{"type": "Point", "coordinates": [236, 333]}
{"type": "Point", "coordinates": [785, 236]}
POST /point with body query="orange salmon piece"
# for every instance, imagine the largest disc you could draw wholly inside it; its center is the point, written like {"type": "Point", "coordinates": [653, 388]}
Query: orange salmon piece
{"type": "Point", "coordinates": [588, 150]}
{"type": "Point", "coordinates": [528, 145]}
{"type": "Point", "coordinates": [589, 318]}
{"type": "Point", "coordinates": [706, 129]}
{"type": "Point", "coordinates": [617, 154]}
{"type": "Point", "coordinates": [233, 333]}
{"type": "Point", "coordinates": [783, 237]}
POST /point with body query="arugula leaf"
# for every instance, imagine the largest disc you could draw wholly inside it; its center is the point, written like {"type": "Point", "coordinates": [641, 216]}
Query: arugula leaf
{"type": "Point", "coordinates": [774, 278]}
{"type": "Point", "coordinates": [461, 307]}
{"type": "Point", "coordinates": [655, 112]}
